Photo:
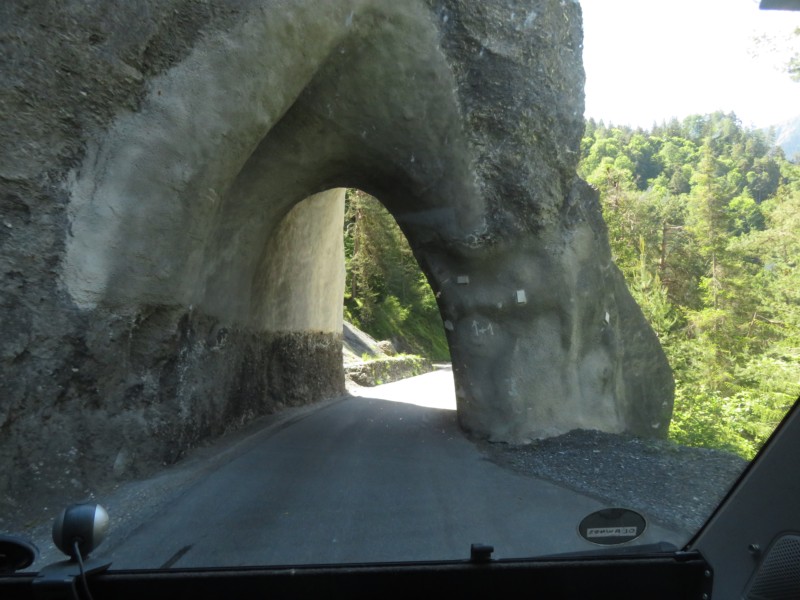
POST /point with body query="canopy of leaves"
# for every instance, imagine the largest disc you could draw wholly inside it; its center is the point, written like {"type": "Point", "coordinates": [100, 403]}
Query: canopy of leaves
{"type": "Point", "coordinates": [704, 221]}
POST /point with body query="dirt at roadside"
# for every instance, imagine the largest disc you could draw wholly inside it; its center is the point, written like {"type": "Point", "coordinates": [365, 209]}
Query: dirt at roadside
{"type": "Point", "coordinates": [677, 486]}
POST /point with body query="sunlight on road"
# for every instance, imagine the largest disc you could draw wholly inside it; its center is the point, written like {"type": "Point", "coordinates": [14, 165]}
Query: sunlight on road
{"type": "Point", "coordinates": [432, 390]}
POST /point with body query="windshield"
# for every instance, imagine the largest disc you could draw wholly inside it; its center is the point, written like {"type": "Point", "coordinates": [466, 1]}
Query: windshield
{"type": "Point", "coordinates": [376, 281]}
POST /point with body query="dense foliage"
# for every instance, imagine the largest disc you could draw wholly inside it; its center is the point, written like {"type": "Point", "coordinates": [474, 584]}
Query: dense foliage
{"type": "Point", "coordinates": [704, 221]}
{"type": "Point", "coordinates": [386, 295]}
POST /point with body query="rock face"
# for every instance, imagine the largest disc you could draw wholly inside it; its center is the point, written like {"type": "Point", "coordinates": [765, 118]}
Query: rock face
{"type": "Point", "coordinates": [172, 177]}
{"type": "Point", "coordinates": [368, 362]}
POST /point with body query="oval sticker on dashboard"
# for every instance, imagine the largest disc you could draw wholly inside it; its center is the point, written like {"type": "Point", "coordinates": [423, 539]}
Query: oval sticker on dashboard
{"type": "Point", "coordinates": [612, 526]}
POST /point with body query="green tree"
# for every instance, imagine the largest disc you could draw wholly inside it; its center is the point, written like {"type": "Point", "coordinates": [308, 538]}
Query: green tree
{"type": "Point", "coordinates": [709, 220]}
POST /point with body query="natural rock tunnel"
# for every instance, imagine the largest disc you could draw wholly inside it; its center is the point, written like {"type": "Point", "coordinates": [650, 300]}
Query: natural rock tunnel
{"type": "Point", "coordinates": [173, 182]}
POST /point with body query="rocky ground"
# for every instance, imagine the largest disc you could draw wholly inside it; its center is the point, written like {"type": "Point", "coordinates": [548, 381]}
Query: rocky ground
{"type": "Point", "coordinates": [368, 362]}
{"type": "Point", "coordinates": [675, 485]}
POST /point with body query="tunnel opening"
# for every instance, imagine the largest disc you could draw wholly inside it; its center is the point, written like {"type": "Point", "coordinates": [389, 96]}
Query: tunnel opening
{"type": "Point", "coordinates": [339, 262]}
{"type": "Point", "coordinates": [386, 293]}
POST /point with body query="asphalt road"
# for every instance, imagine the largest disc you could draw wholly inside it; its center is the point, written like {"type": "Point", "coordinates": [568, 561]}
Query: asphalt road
{"type": "Point", "coordinates": [384, 476]}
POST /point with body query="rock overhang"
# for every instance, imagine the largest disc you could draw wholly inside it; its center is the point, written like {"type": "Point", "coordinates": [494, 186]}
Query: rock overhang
{"type": "Point", "coordinates": [203, 222]}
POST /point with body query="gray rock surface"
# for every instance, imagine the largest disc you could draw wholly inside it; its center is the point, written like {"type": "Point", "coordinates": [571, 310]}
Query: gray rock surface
{"type": "Point", "coordinates": [170, 248]}
{"type": "Point", "coordinates": [358, 345]}
{"type": "Point", "coordinates": [368, 362]}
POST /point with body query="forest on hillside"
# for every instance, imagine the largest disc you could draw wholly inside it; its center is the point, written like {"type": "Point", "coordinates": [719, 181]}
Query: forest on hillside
{"type": "Point", "coordinates": [703, 217]}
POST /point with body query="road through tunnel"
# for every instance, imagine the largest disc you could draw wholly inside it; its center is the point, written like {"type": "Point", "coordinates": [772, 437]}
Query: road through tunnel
{"type": "Point", "coordinates": [195, 276]}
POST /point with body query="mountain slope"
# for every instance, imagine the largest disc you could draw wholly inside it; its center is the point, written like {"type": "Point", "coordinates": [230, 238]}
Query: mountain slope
{"type": "Point", "coordinates": [789, 137]}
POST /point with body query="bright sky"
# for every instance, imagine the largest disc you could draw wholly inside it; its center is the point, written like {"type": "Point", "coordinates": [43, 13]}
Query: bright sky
{"type": "Point", "coordinates": [649, 60]}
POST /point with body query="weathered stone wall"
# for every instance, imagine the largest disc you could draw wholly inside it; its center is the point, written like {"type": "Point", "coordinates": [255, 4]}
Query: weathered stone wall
{"type": "Point", "coordinates": [170, 246]}
{"type": "Point", "coordinates": [543, 333]}
{"type": "Point", "coordinates": [114, 357]}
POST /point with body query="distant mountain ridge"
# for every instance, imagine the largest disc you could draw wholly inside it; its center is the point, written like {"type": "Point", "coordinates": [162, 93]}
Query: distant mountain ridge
{"type": "Point", "coordinates": [788, 137]}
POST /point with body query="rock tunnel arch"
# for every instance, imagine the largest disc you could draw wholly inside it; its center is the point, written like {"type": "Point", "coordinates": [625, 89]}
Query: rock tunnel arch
{"type": "Point", "coordinates": [206, 153]}
{"type": "Point", "coordinates": [170, 156]}
{"type": "Point", "coordinates": [155, 161]}
{"type": "Point", "coordinates": [184, 202]}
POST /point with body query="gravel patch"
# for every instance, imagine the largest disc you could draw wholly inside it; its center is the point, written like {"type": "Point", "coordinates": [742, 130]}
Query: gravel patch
{"type": "Point", "coordinates": [677, 486]}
